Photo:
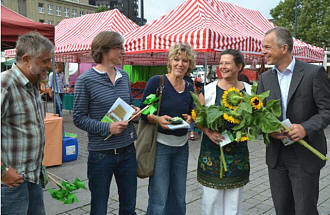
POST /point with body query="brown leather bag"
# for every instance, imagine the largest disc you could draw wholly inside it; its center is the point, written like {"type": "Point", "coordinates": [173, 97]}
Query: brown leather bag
{"type": "Point", "coordinates": [146, 141]}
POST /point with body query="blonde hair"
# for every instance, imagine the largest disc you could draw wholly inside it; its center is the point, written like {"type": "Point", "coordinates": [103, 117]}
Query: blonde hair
{"type": "Point", "coordinates": [178, 49]}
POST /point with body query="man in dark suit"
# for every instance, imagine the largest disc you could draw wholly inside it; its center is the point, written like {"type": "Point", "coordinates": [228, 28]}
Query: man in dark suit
{"type": "Point", "coordinates": [304, 90]}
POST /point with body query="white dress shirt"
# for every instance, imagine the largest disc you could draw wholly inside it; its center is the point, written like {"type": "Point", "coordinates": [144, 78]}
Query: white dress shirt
{"type": "Point", "coordinates": [284, 80]}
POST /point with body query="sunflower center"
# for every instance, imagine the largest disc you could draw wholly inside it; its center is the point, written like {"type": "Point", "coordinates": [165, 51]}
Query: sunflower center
{"type": "Point", "coordinates": [256, 101]}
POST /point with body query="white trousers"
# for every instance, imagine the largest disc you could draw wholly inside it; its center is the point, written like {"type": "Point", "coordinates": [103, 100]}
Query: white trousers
{"type": "Point", "coordinates": [221, 202]}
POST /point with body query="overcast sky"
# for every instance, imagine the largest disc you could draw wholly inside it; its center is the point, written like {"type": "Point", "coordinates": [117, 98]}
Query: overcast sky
{"type": "Point", "coordinates": [154, 9]}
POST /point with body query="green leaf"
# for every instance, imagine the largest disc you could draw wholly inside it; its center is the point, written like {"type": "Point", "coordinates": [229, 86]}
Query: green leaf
{"type": "Point", "coordinates": [79, 184]}
{"type": "Point", "coordinates": [253, 133]}
{"type": "Point", "coordinates": [150, 99]}
{"type": "Point", "coordinates": [196, 100]}
{"type": "Point", "coordinates": [264, 95]}
{"type": "Point", "coordinates": [274, 106]}
{"type": "Point", "coordinates": [241, 125]}
{"type": "Point", "coordinates": [213, 113]}
{"type": "Point", "coordinates": [238, 135]}
{"type": "Point", "coordinates": [244, 106]}
{"type": "Point", "coordinates": [266, 139]}
{"type": "Point", "coordinates": [150, 110]}
{"type": "Point", "coordinates": [254, 88]}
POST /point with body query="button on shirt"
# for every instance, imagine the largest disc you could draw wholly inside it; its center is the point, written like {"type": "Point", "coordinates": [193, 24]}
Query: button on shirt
{"type": "Point", "coordinates": [22, 124]}
{"type": "Point", "coordinates": [284, 80]}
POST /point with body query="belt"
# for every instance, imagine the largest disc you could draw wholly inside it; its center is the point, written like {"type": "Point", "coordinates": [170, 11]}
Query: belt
{"type": "Point", "coordinates": [119, 150]}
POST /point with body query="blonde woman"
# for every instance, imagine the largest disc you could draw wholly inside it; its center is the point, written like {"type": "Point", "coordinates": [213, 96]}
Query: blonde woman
{"type": "Point", "coordinates": [222, 196]}
{"type": "Point", "coordinates": [167, 187]}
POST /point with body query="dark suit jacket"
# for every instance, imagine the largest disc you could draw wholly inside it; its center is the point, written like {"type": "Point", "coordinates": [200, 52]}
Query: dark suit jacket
{"type": "Point", "coordinates": [308, 105]}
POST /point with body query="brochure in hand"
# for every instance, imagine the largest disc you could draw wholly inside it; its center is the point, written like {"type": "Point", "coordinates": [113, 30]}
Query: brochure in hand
{"type": "Point", "coordinates": [119, 111]}
{"type": "Point", "coordinates": [177, 123]}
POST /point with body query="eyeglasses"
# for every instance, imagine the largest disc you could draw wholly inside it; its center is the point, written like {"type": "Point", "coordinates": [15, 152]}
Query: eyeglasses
{"type": "Point", "coordinates": [119, 47]}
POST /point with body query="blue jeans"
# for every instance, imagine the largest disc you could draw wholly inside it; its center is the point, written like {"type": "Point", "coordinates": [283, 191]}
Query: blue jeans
{"type": "Point", "coordinates": [100, 169]}
{"type": "Point", "coordinates": [167, 187]}
{"type": "Point", "coordinates": [27, 198]}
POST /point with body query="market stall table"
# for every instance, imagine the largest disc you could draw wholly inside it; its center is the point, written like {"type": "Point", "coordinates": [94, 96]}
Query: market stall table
{"type": "Point", "coordinates": [53, 145]}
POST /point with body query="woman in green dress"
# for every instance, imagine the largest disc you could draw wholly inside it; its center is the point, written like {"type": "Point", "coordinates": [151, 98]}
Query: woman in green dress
{"type": "Point", "coordinates": [222, 196]}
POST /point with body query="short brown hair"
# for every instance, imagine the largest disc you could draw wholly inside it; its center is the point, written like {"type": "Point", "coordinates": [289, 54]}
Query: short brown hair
{"type": "Point", "coordinates": [103, 42]}
{"type": "Point", "coordinates": [179, 48]}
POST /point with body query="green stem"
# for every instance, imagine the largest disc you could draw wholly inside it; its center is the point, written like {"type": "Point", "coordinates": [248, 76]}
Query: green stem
{"type": "Point", "coordinates": [221, 169]}
{"type": "Point", "coordinates": [223, 159]}
{"type": "Point", "coordinates": [309, 147]}
{"type": "Point", "coordinates": [223, 165]}
{"type": "Point", "coordinates": [235, 98]}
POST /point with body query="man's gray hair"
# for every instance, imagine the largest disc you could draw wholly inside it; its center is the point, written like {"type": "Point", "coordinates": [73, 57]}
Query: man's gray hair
{"type": "Point", "coordinates": [32, 44]}
{"type": "Point", "coordinates": [283, 36]}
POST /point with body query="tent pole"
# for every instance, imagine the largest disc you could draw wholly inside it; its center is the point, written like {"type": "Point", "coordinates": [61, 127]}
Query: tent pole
{"type": "Point", "coordinates": [54, 85]}
{"type": "Point", "coordinates": [205, 71]}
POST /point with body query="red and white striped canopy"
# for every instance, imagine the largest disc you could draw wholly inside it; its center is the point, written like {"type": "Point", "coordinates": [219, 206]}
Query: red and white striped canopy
{"type": "Point", "coordinates": [75, 35]}
{"type": "Point", "coordinates": [210, 26]}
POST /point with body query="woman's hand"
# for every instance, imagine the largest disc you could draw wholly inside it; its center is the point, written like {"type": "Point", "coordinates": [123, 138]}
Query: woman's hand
{"type": "Point", "coordinates": [187, 118]}
{"type": "Point", "coordinates": [163, 121]}
{"type": "Point", "coordinates": [214, 136]}
{"type": "Point", "coordinates": [118, 127]}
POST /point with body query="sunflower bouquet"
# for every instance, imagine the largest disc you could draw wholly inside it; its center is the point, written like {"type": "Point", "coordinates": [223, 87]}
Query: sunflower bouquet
{"type": "Point", "coordinates": [246, 116]}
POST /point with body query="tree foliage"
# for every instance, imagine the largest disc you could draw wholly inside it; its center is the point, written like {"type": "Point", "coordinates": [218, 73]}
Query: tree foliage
{"type": "Point", "coordinates": [313, 24]}
{"type": "Point", "coordinates": [101, 8]}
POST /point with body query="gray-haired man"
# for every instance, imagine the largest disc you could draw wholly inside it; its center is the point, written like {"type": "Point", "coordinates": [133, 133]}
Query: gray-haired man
{"type": "Point", "coordinates": [304, 91]}
{"type": "Point", "coordinates": [23, 131]}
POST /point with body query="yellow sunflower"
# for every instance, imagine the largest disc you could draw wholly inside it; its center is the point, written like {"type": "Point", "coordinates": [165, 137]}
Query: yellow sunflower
{"type": "Point", "coordinates": [193, 115]}
{"type": "Point", "coordinates": [231, 98]}
{"type": "Point", "coordinates": [230, 119]}
{"type": "Point", "coordinates": [256, 103]}
{"type": "Point", "coordinates": [245, 138]}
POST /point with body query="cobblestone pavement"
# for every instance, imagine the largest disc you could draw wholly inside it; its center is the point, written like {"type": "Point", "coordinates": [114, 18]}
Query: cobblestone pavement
{"type": "Point", "coordinates": [256, 197]}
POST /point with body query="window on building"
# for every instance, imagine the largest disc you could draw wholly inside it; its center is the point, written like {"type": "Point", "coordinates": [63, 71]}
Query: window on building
{"type": "Point", "coordinates": [50, 22]}
{"type": "Point", "coordinates": [41, 20]}
{"type": "Point", "coordinates": [82, 13]}
{"type": "Point", "coordinates": [50, 9]}
{"type": "Point", "coordinates": [66, 12]}
{"type": "Point", "coordinates": [41, 7]}
{"type": "Point", "coordinates": [74, 12]}
{"type": "Point", "coordinates": [58, 10]}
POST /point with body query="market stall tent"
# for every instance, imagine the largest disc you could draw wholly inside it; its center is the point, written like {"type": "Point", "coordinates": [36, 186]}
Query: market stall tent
{"type": "Point", "coordinates": [209, 26]}
{"type": "Point", "coordinates": [13, 25]}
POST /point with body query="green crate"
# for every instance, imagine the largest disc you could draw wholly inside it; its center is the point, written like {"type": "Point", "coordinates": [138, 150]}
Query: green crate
{"type": "Point", "coordinates": [68, 134]}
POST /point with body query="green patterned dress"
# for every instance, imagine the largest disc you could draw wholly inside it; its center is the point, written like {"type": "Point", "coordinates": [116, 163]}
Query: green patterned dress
{"type": "Point", "coordinates": [236, 156]}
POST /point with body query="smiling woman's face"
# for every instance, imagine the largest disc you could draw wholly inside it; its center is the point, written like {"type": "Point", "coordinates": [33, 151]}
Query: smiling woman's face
{"type": "Point", "coordinates": [228, 68]}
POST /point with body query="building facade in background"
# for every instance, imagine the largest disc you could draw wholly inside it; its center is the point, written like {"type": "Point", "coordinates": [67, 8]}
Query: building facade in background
{"type": "Point", "coordinates": [50, 11]}
{"type": "Point", "coordinates": [129, 8]}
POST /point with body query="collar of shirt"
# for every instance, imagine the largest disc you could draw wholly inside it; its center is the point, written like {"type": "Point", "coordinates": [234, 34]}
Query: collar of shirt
{"type": "Point", "coordinates": [118, 74]}
{"type": "Point", "coordinates": [289, 69]}
{"type": "Point", "coordinates": [20, 76]}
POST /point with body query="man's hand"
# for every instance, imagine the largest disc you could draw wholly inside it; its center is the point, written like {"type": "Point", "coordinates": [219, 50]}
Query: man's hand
{"type": "Point", "coordinates": [187, 118]}
{"type": "Point", "coordinates": [136, 111]}
{"type": "Point", "coordinates": [118, 127]}
{"type": "Point", "coordinates": [279, 135]}
{"type": "Point", "coordinates": [12, 178]}
{"type": "Point", "coordinates": [297, 132]}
